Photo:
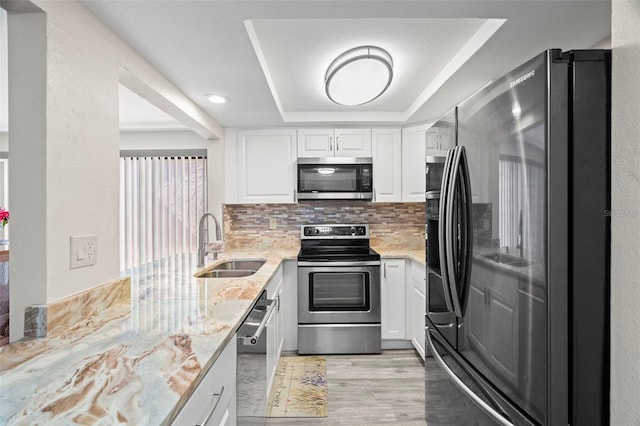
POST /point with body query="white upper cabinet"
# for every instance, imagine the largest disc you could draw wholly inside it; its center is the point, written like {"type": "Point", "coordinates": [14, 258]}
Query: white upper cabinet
{"type": "Point", "coordinates": [346, 142]}
{"type": "Point", "coordinates": [387, 165]}
{"type": "Point", "coordinates": [315, 143]}
{"type": "Point", "coordinates": [438, 141]}
{"type": "Point", "coordinates": [413, 163]}
{"type": "Point", "coordinates": [353, 142]}
{"type": "Point", "coordinates": [266, 166]}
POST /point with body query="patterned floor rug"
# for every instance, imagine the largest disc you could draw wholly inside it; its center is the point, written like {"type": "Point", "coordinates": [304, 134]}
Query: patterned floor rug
{"type": "Point", "coordinates": [300, 388]}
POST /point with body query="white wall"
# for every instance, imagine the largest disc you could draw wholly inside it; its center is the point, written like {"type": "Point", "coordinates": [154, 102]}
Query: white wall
{"type": "Point", "coordinates": [27, 179]}
{"type": "Point", "coordinates": [165, 139]}
{"type": "Point", "coordinates": [625, 247]}
{"type": "Point", "coordinates": [64, 72]}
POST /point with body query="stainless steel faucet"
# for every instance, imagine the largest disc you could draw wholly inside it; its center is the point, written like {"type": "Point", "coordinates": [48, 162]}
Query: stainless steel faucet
{"type": "Point", "coordinates": [202, 237]}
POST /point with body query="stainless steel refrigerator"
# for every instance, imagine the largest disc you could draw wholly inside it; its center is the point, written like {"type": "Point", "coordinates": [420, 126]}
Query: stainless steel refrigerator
{"type": "Point", "coordinates": [518, 249]}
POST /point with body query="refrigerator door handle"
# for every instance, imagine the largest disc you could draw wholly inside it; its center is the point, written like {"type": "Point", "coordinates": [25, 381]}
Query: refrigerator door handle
{"type": "Point", "coordinates": [490, 411]}
{"type": "Point", "coordinates": [449, 224]}
{"type": "Point", "coordinates": [442, 250]}
{"type": "Point", "coordinates": [467, 247]}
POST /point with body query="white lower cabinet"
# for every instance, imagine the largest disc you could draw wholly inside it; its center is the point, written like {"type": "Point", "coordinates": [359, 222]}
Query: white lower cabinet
{"type": "Point", "coordinates": [289, 305]}
{"type": "Point", "coordinates": [213, 403]}
{"type": "Point", "coordinates": [275, 325]}
{"type": "Point", "coordinates": [393, 299]}
{"type": "Point", "coordinates": [417, 288]}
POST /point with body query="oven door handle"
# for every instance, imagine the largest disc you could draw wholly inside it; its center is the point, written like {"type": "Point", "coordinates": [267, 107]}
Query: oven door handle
{"type": "Point", "coordinates": [355, 263]}
{"type": "Point", "coordinates": [253, 339]}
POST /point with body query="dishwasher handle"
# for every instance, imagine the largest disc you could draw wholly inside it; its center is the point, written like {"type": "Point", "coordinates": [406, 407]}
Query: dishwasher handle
{"type": "Point", "coordinates": [253, 338]}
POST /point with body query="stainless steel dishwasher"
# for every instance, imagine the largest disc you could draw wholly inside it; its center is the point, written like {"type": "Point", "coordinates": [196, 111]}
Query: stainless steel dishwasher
{"type": "Point", "coordinates": [251, 382]}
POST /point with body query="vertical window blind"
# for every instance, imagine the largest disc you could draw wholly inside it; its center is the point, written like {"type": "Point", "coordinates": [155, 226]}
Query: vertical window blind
{"type": "Point", "coordinates": [162, 196]}
{"type": "Point", "coordinates": [522, 206]}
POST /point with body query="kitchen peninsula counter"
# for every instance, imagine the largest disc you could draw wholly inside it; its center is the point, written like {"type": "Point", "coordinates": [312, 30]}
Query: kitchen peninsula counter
{"type": "Point", "coordinates": [138, 363]}
{"type": "Point", "coordinates": [133, 363]}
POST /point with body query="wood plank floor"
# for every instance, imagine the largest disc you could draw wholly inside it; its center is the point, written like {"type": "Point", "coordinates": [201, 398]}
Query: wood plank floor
{"type": "Point", "coordinates": [371, 389]}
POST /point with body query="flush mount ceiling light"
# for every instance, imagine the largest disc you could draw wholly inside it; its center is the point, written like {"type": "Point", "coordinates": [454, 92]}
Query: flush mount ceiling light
{"type": "Point", "coordinates": [359, 75]}
{"type": "Point", "coordinates": [217, 99]}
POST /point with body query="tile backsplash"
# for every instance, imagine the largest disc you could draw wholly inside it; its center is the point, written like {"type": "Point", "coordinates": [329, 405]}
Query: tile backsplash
{"type": "Point", "coordinates": [389, 223]}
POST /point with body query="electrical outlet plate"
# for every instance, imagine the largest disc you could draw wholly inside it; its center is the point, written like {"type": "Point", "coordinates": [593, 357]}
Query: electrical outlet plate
{"type": "Point", "coordinates": [273, 224]}
{"type": "Point", "coordinates": [84, 250]}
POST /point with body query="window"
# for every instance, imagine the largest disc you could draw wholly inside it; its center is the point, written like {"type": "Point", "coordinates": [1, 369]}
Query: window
{"type": "Point", "coordinates": [162, 196]}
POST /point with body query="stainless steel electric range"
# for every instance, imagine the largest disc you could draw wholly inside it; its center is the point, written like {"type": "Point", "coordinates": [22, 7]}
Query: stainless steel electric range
{"type": "Point", "coordinates": [338, 291]}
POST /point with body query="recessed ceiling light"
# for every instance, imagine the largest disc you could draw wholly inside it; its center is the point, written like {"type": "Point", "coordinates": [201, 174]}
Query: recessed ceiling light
{"type": "Point", "coordinates": [359, 75]}
{"type": "Point", "coordinates": [217, 99]}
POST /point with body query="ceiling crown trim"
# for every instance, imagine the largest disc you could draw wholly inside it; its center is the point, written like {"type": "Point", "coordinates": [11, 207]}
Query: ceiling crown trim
{"type": "Point", "coordinates": [472, 45]}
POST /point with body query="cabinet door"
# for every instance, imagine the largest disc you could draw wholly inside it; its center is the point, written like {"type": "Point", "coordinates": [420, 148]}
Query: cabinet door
{"type": "Point", "coordinates": [353, 142]}
{"type": "Point", "coordinates": [289, 305]}
{"type": "Point", "coordinates": [272, 350]}
{"type": "Point", "coordinates": [315, 143]}
{"type": "Point", "coordinates": [214, 400]}
{"type": "Point", "coordinates": [417, 298]}
{"type": "Point", "coordinates": [387, 165]}
{"type": "Point", "coordinates": [279, 322]}
{"type": "Point", "coordinates": [266, 166]}
{"type": "Point", "coordinates": [413, 164]}
{"type": "Point", "coordinates": [418, 313]}
{"type": "Point", "coordinates": [393, 299]}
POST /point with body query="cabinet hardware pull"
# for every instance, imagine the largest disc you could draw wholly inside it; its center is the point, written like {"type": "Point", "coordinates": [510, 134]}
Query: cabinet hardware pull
{"type": "Point", "coordinates": [385, 271]}
{"type": "Point", "coordinates": [213, 409]}
{"type": "Point", "coordinates": [330, 143]}
{"type": "Point", "coordinates": [337, 146]}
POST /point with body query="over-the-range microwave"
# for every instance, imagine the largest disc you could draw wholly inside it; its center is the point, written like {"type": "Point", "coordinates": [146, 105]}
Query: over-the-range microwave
{"type": "Point", "coordinates": [335, 178]}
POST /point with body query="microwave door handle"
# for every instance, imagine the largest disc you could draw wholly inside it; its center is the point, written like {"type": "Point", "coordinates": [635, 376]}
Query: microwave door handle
{"type": "Point", "coordinates": [450, 226]}
{"type": "Point", "coordinates": [441, 230]}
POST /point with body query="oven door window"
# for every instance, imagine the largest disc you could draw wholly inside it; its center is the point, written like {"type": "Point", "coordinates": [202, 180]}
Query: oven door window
{"type": "Point", "coordinates": [339, 291]}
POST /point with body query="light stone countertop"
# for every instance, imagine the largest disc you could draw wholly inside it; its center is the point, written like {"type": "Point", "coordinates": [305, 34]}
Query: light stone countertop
{"type": "Point", "coordinates": [419, 255]}
{"type": "Point", "coordinates": [138, 364]}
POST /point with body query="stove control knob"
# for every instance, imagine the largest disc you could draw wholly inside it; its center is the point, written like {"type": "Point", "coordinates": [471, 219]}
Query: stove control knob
{"type": "Point", "coordinates": [352, 230]}
{"type": "Point", "coordinates": [310, 231]}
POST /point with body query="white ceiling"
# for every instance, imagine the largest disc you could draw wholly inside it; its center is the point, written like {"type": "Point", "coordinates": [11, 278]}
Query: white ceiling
{"type": "Point", "coordinates": [269, 57]}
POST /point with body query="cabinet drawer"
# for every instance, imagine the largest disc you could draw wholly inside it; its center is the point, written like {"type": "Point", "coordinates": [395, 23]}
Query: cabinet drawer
{"type": "Point", "coordinates": [213, 401]}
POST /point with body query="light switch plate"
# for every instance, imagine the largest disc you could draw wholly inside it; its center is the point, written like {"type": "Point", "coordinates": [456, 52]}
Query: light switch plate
{"type": "Point", "coordinates": [84, 251]}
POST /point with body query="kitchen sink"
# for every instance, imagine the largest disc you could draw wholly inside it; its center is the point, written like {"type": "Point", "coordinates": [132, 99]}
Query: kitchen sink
{"type": "Point", "coordinates": [225, 274]}
{"type": "Point", "coordinates": [506, 259]}
{"type": "Point", "coordinates": [233, 269]}
{"type": "Point", "coordinates": [240, 265]}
